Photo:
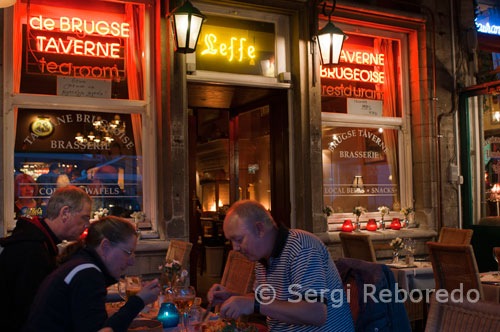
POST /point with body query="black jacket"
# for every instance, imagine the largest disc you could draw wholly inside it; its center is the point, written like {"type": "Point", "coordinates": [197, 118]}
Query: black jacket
{"type": "Point", "coordinates": [75, 301]}
{"type": "Point", "coordinates": [28, 256]}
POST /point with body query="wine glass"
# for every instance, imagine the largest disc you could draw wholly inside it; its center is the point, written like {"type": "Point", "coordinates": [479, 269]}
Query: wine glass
{"type": "Point", "coordinates": [183, 299]}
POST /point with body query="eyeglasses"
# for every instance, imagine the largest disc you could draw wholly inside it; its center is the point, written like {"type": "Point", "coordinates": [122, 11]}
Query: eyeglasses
{"type": "Point", "coordinates": [128, 252]}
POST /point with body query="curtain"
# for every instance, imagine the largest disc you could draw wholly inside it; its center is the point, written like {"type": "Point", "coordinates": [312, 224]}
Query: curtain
{"type": "Point", "coordinates": [390, 90]}
{"type": "Point", "coordinates": [135, 66]}
{"type": "Point", "coordinates": [135, 70]}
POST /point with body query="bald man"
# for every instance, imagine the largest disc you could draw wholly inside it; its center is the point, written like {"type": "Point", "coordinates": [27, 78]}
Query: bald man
{"type": "Point", "coordinates": [298, 286]}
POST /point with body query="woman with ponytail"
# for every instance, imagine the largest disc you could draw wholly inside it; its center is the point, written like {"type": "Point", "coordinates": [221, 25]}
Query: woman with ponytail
{"type": "Point", "coordinates": [73, 297]}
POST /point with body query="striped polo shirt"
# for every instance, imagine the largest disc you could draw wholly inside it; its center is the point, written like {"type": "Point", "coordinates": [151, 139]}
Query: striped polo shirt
{"type": "Point", "coordinates": [300, 268]}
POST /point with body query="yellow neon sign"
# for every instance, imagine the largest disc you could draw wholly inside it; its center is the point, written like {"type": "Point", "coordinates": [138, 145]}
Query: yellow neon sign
{"type": "Point", "coordinates": [237, 48]}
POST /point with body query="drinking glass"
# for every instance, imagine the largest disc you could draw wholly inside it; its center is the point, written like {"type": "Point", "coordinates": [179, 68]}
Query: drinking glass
{"type": "Point", "coordinates": [183, 299]}
{"type": "Point", "coordinates": [129, 285]}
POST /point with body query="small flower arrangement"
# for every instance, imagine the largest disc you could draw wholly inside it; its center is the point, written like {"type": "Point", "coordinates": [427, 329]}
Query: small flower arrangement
{"type": "Point", "coordinates": [327, 211]}
{"type": "Point", "coordinates": [101, 213]}
{"type": "Point", "coordinates": [172, 274]}
{"type": "Point", "coordinates": [397, 244]}
{"type": "Point", "coordinates": [383, 209]}
{"type": "Point", "coordinates": [407, 211]}
{"type": "Point", "coordinates": [138, 215]}
{"type": "Point", "coordinates": [358, 211]}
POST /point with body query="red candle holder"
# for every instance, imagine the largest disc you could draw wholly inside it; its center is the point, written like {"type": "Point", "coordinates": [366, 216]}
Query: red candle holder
{"type": "Point", "coordinates": [395, 224]}
{"type": "Point", "coordinates": [347, 226]}
{"type": "Point", "coordinates": [371, 225]}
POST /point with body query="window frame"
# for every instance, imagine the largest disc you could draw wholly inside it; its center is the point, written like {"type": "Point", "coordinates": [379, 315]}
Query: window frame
{"type": "Point", "coordinates": [146, 108]}
{"type": "Point", "coordinates": [401, 124]}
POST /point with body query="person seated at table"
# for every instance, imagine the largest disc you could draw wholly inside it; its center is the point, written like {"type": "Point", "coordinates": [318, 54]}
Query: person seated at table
{"type": "Point", "coordinates": [73, 297]}
{"type": "Point", "coordinates": [298, 287]}
{"type": "Point", "coordinates": [25, 204]}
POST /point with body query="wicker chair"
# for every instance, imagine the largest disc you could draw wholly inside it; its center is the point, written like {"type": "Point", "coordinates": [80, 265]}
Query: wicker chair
{"type": "Point", "coordinates": [463, 317]}
{"type": "Point", "coordinates": [449, 235]}
{"type": "Point", "coordinates": [179, 251]}
{"type": "Point", "coordinates": [454, 266]}
{"type": "Point", "coordinates": [358, 246]}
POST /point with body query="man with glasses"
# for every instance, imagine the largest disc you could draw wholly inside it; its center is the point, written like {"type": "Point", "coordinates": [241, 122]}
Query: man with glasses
{"type": "Point", "coordinates": [29, 254]}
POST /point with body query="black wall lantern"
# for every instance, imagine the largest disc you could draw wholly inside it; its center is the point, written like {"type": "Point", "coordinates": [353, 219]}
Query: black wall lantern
{"type": "Point", "coordinates": [187, 27]}
{"type": "Point", "coordinates": [330, 39]}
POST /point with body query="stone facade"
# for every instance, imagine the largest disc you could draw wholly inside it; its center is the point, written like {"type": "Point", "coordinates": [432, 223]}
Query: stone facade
{"type": "Point", "coordinates": [433, 93]}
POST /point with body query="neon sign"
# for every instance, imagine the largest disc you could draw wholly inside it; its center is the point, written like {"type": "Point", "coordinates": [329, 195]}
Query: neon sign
{"type": "Point", "coordinates": [237, 48]}
{"type": "Point", "coordinates": [487, 28]}
{"type": "Point", "coordinates": [356, 74]}
{"type": "Point", "coordinates": [81, 39]}
{"type": "Point", "coordinates": [76, 24]}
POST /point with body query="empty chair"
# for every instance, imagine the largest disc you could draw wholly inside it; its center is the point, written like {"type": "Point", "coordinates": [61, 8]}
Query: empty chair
{"type": "Point", "coordinates": [454, 265]}
{"type": "Point", "coordinates": [358, 246]}
{"type": "Point", "coordinates": [450, 235]}
{"type": "Point", "coordinates": [463, 316]}
{"type": "Point", "coordinates": [369, 312]}
{"type": "Point", "coordinates": [179, 251]}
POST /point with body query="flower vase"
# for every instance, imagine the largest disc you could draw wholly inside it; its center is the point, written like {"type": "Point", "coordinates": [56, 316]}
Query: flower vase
{"type": "Point", "coordinates": [382, 224]}
{"type": "Point", "coordinates": [357, 225]}
{"type": "Point", "coordinates": [395, 257]}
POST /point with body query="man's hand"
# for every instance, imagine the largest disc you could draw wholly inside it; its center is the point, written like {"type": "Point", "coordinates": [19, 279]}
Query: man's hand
{"type": "Point", "coordinates": [236, 306]}
{"type": "Point", "coordinates": [217, 294]}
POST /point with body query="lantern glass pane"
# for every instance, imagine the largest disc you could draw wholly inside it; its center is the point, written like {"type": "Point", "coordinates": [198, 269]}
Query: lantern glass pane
{"type": "Point", "coordinates": [337, 41]}
{"type": "Point", "coordinates": [324, 47]}
{"type": "Point", "coordinates": [194, 31]}
{"type": "Point", "coordinates": [181, 27]}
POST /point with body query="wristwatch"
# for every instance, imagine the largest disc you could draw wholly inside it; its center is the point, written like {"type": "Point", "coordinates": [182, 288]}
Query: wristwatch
{"type": "Point", "coordinates": [256, 306]}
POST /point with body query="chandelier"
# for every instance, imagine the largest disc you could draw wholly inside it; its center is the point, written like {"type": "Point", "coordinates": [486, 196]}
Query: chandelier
{"type": "Point", "coordinates": [102, 130]}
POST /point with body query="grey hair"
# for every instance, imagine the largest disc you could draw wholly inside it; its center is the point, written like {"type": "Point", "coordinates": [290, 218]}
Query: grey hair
{"type": "Point", "coordinates": [250, 212]}
{"type": "Point", "coordinates": [70, 196]}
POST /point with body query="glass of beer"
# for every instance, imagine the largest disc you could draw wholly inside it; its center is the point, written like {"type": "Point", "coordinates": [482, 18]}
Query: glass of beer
{"type": "Point", "coordinates": [129, 285]}
{"type": "Point", "coordinates": [183, 299]}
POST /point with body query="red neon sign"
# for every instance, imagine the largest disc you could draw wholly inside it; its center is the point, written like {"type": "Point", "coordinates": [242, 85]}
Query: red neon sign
{"type": "Point", "coordinates": [357, 74]}
{"type": "Point", "coordinates": [76, 24]}
{"type": "Point", "coordinates": [75, 46]}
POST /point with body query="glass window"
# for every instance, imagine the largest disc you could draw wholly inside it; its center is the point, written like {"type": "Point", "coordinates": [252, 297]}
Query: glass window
{"type": "Point", "coordinates": [73, 48]}
{"type": "Point", "coordinates": [98, 152]}
{"type": "Point", "coordinates": [365, 150]}
{"type": "Point", "coordinates": [360, 167]}
{"type": "Point", "coordinates": [367, 79]}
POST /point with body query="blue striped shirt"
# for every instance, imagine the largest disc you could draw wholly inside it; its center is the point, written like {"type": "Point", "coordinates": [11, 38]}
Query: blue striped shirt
{"type": "Point", "coordinates": [304, 270]}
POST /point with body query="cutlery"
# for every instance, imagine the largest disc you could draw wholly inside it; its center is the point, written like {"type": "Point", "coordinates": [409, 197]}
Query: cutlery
{"type": "Point", "coordinates": [206, 314]}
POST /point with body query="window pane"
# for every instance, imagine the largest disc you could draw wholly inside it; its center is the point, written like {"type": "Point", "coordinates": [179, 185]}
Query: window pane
{"type": "Point", "coordinates": [360, 167]}
{"type": "Point", "coordinates": [99, 152]}
{"type": "Point", "coordinates": [255, 156]}
{"type": "Point", "coordinates": [74, 48]}
{"type": "Point", "coordinates": [489, 180]}
{"type": "Point", "coordinates": [367, 80]}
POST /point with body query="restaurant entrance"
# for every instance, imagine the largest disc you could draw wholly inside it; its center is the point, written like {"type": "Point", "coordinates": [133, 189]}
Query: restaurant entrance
{"type": "Point", "coordinates": [234, 155]}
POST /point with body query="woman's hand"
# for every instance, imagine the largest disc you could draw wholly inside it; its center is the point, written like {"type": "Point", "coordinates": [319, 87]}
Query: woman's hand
{"type": "Point", "coordinates": [149, 292]}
